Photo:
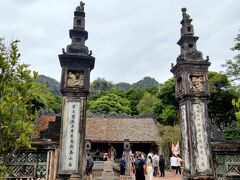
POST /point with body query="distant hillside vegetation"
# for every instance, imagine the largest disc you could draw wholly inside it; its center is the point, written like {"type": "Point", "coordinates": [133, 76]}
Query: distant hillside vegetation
{"type": "Point", "coordinates": [146, 82]}
{"type": "Point", "coordinates": [52, 84]}
{"type": "Point", "coordinates": [122, 85]}
{"type": "Point", "coordinates": [98, 84]}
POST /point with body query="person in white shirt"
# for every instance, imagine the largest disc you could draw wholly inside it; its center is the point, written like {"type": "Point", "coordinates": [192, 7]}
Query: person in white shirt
{"type": "Point", "coordinates": [150, 168]}
{"type": "Point", "coordinates": [155, 164]}
{"type": "Point", "coordinates": [173, 163]}
{"type": "Point", "coordinates": [178, 168]}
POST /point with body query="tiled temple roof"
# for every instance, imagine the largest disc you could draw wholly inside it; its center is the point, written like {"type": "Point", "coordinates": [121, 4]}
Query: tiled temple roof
{"type": "Point", "coordinates": [103, 128]}
{"type": "Point", "coordinates": [42, 124]}
{"type": "Point", "coordinates": [115, 129]}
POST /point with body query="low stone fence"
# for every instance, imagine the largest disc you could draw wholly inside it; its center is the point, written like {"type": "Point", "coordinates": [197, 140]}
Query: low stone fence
{"type": "Point", "coordinates": [226, 160]}
{"type": "Point", "coordinates": [98, 165]}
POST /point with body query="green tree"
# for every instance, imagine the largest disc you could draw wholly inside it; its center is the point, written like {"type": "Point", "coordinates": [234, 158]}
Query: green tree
{"type": "Point", "coordinates": [165, 109]}
{"type": "Point", "coordinates": [232, 132]}
{"type": "Point", "coordinates": [222, 92]}
{"type": "Point", "coordinates": [110, 103]}
{"type": "Point", "coordinates": [169, 135]}
{"type": "Point", "coordinates": [21, 98]}
{"type": "Point", "coordinates": [153, 90]}
{"type": "Point", "coordinates": [145, 105]}
{"type": "Point", "coordinates": [134, 95]}
{"type": "Point", "coordinates": [233, 65]}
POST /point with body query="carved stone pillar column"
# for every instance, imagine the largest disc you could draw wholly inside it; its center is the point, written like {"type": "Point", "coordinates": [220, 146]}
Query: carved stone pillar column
{"type": "Point", "coordinates": [127, 157]}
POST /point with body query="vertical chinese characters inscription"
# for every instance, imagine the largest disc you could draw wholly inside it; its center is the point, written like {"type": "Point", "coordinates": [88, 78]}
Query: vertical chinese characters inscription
{"type": "Point", "coordinates": [71, 136]}
{"type": "Point", "coordinates": [202, 160]}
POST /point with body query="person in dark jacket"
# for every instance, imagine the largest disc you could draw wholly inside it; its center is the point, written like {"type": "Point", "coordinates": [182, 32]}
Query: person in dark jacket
{"type": "Point", "coordinates": [122, 165]}
{"type": "Point", "coordinates": [139, 168]}
{"type": "Point", "coordinates": [162, 166]}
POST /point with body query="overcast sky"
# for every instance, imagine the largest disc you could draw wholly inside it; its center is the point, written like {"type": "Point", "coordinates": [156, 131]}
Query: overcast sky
{"type": "Point", "coordinates": [130, 39]}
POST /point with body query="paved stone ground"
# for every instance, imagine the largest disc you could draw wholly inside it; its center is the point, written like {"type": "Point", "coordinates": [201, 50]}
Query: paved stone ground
{"type": "Point", "coordinates": [168, 176]}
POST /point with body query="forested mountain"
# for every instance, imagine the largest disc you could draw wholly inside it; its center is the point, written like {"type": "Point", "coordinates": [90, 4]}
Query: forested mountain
{"type": "Point", "coordinates": [52, 84]}
{"type": "Point", "coordinates": [122, 85]}
{"type": "Point", "coordinates": [99, 84]}
{"type": "Point", "coordinates": [146, 82]}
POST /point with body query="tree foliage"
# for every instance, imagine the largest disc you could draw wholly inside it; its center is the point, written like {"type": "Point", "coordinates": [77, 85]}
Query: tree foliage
{"type": "Point", "coordinates": [134, 95]}
{"type": "Point", "coordinates": [145, 105]}
{"type": "Point", "coordinates": [21, 99]}
{"type": "Point", "coordinates": [232, 132]}
{"type": "Point", "coordinates": [222, 92]}
{"type": "Point", "coordinates": [165, 109]}
{"type": "Point", "coordinates": [169, 135]}
{"type": "Point", "coordinates": [110, 103]}
{"type": "Point", "coordinates": [233, 65]}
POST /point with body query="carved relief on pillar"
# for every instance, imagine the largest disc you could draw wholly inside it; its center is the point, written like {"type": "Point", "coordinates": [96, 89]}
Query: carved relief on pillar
{"type": "Point", "coordinates": [75, 79]}
{"type": "Point", "coordinates": [197, 82]}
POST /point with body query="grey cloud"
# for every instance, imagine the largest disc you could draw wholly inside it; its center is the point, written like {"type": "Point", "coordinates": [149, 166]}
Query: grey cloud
{"type": "Point", "coordinates": [130, 39]}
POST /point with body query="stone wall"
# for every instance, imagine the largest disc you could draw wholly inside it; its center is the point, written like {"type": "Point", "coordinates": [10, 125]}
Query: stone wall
{"type": "Point", "coordinates": [226, 160]}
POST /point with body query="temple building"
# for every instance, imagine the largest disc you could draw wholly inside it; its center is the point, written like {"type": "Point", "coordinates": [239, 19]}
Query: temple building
{"type": "Point", "coordinates": [205, 155]}
{"type": "Point", "coordinates": [105, 133]}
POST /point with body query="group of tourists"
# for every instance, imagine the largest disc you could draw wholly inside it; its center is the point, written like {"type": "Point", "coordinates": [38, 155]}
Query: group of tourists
{"type": "Point", "coordinates": [141, 164]}
{"type": "Point", "coordinates": [175, 162]}
{"type": "Point", "coordinates": [151, 165]}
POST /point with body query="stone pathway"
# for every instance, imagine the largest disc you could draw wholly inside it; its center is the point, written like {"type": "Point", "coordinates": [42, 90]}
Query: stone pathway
{"type": "Point", "coordinates": [168, 176]}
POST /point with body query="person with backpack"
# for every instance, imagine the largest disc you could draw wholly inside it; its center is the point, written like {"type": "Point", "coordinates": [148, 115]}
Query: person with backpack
{"type": "Point", "coordinates": [89, 166]}
{"type": "Point", "coordinates": [162, 166]}
{"type": "Point", "coordinates": [139, 167]}
{"type": "Point", "coordinates": [122, 168]}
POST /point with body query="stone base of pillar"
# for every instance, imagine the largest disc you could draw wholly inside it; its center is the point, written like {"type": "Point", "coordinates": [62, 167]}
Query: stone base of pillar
{"type": "Point", "coordinates": [232, 176]}
{"type": "Point", "coordinates": [64, 177]}
{"type": "Point", "coordinates": [198, 178]}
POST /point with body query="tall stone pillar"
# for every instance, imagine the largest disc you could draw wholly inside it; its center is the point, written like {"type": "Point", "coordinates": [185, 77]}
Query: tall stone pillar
{"type": "Point", "coordinates": [76, 63]}
{"type": "Point", "coordinates": [192, 93]}
{"type": "Point", "coordinates": [126, 148]}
